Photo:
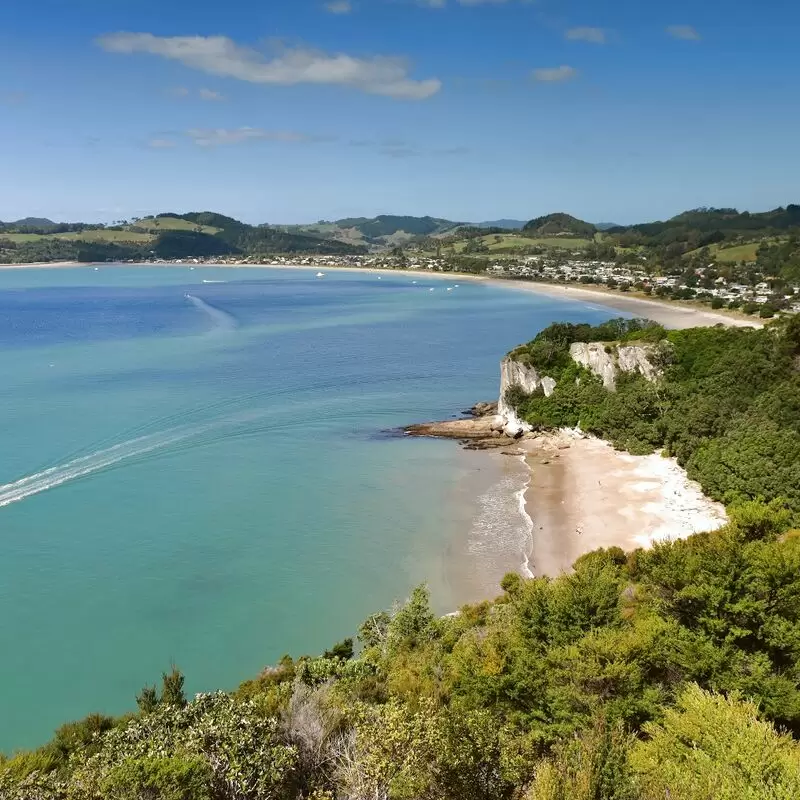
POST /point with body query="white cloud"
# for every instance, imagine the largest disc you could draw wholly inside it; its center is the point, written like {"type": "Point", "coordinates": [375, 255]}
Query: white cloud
{"type": "Point", "coordinates": [587, 34]}
{"type": "Point", "coordinates": [161, 144]}
{"type": "Point", "coordinates": [554, 74]}
{"type": "Point", "coordinates": [210, 94]}
{"type": "Point", "coordinates": [685, 32]}
{"type": "Point", "coordinates": [339, 7]}
{"type": "Point", "coordinates": [212, 137]}
{"type": "Point", "coordinates": [219, 55]}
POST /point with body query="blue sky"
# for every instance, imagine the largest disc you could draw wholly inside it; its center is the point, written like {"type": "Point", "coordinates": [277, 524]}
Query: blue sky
{"type": "Point", "coordinates": [298, 110]}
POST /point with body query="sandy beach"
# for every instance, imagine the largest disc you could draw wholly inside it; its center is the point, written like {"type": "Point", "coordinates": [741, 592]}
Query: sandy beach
{"type": "Point", "coordinates": [584, 495]}
{"type": "Point", "coordinates": [671, 315]}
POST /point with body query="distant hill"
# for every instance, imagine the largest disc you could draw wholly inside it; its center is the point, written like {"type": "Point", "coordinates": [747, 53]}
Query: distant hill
{"type": "Point", "coordinates": [378, 233]}
{"type": "Point", "coordinates": [29, 225]}
{"type": "Point", "coordinates": [168, 236]}
{"type": "Point", "coordinates": [508, 224]}
{"type": "Point", "coordinates": [604, 226]}
{"type": "Point", "coordinates": [727, 222]}
{"type": "Point", "coordinates": [559, 224]}
{"type": "Point", "coordinates": [34, 222]}
{"type": "Point", "coordinates": [387, 225]}
{"type": "Point", "coordinates": [771, 239]}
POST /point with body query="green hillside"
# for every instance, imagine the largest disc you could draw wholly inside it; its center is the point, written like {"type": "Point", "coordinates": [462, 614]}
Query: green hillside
{"type": "Point", "coordinates": [559, 225]}
{"type": "Point", "coordinates": [167, 236]}
{"type": "Point", "coordinates": [169, 223]}
{"type": "Point", "coordinates": [387, 225]}
{"type": "Point", "coordinates": [710, 226]}
{"type": "Point", "coordinates": [501, 242]}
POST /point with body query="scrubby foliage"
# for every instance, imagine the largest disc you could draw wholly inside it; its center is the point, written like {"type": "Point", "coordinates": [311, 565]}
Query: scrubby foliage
{"type": "Point", "coordinates": [673, 672]}
{"type": "Point", "coordinates": [727, 405]}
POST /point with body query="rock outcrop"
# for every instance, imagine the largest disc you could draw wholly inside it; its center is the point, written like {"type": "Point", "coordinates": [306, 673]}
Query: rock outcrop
{"type": "Point", "coordinates": [607, 361]}
{"type": "Point", "coordinates": [515, 373]}
{"type": "Point", "coordinates": [495, 425]}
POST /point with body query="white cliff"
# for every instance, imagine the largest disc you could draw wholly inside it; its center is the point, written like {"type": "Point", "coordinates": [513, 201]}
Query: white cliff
{"type": "Point", "coordinates": [606, 361]}
{"type": "Point", "coordinates": [515, 373]}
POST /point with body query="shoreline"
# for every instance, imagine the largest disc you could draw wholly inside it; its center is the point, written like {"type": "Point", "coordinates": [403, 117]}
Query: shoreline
{"type": "Point", "coordinates": [669, 314]}
{"type": "Point", "coordinates": [576, 494]}
{"type": "Point", "coordinates": [585, 495]}
{"type": "Point", "coordinates": [570, 494]}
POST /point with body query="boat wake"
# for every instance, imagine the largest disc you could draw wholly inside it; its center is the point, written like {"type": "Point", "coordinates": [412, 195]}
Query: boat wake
{"type": "Point", "coordinates": [94, 462]}
{"type": "Point", "coordinates": [222, 320]}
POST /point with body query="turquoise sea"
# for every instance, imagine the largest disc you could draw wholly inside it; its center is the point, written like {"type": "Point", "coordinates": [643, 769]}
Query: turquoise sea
{"type": "Point", "coordinates": [197, 467]}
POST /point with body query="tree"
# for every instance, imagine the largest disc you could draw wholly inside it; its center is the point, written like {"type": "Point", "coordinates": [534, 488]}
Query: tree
{"type": "Point", "coordinates": [147, 700]}
{"type": "Point", "coordinates": [172, 688]}
{"type": "Point", "coordinates": [711, 746]}
{"type": "Point", "coordinates": [343, 650]}
{"type": "Point", "coordinates": [411, 625]}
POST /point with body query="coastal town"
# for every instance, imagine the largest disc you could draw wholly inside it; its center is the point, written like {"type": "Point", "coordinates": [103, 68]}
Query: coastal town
{"type": "Point", "coordinates": [764, 298]}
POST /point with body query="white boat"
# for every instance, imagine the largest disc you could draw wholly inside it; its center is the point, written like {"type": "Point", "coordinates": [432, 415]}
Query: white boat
{"type": "Point", "coordinates": [431, 290]}
{"type": "Point", "coordinates": [320, 274]}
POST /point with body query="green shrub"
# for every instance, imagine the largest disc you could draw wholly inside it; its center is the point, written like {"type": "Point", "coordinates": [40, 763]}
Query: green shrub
{"type": "Point", "coordinates": [715, 747]}
{"type": "Point", "coordinates": [160, 778]}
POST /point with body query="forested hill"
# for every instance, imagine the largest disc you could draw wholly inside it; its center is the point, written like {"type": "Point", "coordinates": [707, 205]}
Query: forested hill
{"type": "Point", "coordinates": [559, 225]}
{"type": "Point", "coordinates": [166, 236]}
{"type": "Point", "coordinates": [772, 238]}
{"type": "Point", "coordinates": [725, 221]}
{"type": "Point", "coordinates": [386, 225]}
{"type": "Point", "coordinates": [663, 673]}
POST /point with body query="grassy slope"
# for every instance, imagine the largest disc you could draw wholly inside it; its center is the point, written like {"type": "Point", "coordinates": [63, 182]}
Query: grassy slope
{"type": "Point", "coordinates": [737, 252]}
{"type": "Point", "coordinates": [512, 241]}
{"type": "Point", "coordinates": [85, 236]}
{"type": "Point", "coordinates": [171, 224]}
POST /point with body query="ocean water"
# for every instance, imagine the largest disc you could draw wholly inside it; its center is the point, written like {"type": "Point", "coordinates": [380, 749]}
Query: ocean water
{"type": "Point", "coordinates": [197, 467]}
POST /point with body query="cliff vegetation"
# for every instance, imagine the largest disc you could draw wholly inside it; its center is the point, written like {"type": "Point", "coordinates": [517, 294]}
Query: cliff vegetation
{"type": "Point", "coordinates": [726, 404]}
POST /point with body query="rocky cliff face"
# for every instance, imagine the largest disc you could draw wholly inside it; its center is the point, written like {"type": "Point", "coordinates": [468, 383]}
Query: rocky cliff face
{"type": "Point", "coordinates": [608, 361]}
{"type": "Point", "coordinates": [514, 373]}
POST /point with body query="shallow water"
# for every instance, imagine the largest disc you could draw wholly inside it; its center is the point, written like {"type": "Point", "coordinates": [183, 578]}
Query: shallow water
{"type": "Point", "coordinates": [199, 472]}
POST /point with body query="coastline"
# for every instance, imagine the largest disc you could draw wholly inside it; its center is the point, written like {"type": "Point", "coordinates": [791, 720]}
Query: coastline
{"type": "Point", "coordinates": [565, 494]}
{"type": "Point", "coordinates": [491, 531]}
{"type": "Point", "coordinates": [667, 313]}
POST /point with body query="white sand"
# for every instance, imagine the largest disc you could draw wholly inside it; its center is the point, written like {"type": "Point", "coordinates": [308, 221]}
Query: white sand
{"type": "Point", "coordinates": [665, 312]}
{"type": "Point", "coordinates": [585, 495]}
{"type": "Point", "coordinates": [44, 265]}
